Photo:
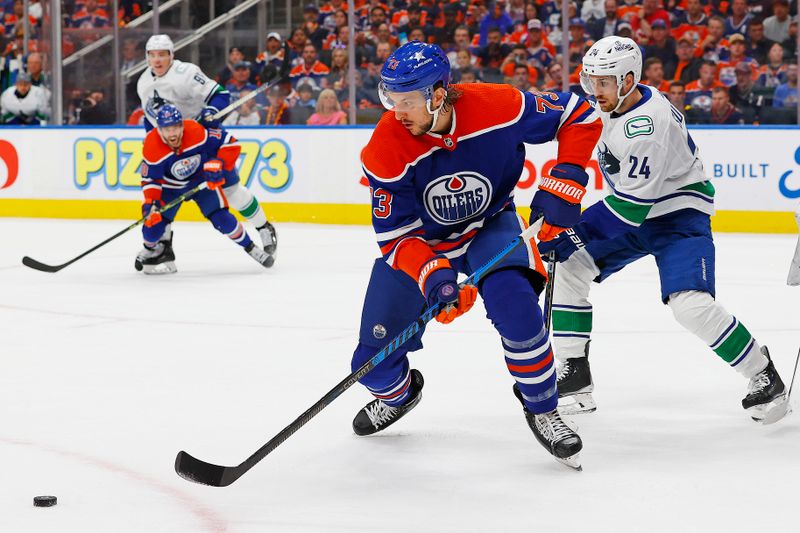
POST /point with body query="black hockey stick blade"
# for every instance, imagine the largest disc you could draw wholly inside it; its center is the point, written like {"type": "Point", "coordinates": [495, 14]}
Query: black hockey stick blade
{"type": "Point", "coordinates": [30, 262]}
{"type": "Point", "coordinates": [193, 469]}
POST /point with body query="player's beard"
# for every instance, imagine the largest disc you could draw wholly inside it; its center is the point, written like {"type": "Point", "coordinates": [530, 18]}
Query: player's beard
{"type": "Point", "coordinates": [417, 130]}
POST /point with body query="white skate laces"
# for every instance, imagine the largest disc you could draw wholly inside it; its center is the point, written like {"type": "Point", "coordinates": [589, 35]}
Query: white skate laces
{"type": "Point", "coordinates": [759, 382]}
{"type": "Point", "coordinates": [552, 427]}
{"type": "Point", "coordinates": [563, 370]}
{"type": "Point", "coordinates": [379, 413]}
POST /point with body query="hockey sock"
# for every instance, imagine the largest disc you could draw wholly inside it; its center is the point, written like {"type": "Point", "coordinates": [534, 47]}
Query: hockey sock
{"type": "Point", "coordinates": [513, 307]}
{"type": "Point", "coordinates": [153, 234]}
{"type": "Point", "coordinates": [699, 313]}
{"type": "Point", "coordinates": [572, 311]}
{"type": "Point", "coordinates": [246, 203]}
{"type": "Point", "coordinates": [227, 224]}
{"type": "Point", "coordinates": [390, 381]}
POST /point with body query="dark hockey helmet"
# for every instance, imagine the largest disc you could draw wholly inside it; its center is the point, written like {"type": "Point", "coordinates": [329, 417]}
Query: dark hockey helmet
{"type": "Point", "coordinates": [168, 115]}
{"type": "Point", "coordinates": [415, 66]}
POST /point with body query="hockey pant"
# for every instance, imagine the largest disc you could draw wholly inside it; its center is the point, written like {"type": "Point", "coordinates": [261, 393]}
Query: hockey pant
{"type": "Point", "coordinates": [510, 295]}
{"type": "Point", "coordinates": [683, 248]}
{"type": "Point", "coordinates": [214, 206]}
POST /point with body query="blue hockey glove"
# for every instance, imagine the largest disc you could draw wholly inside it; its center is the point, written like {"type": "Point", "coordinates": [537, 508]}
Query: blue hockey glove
{"type": "Point", "coordinates": [437, 281]}
{"type": "Point", "coordinates": [207, 118]}
{"type": "Point", "coordinates": [565, 243]}
{"type": "Point", "coordinates": [214, 173]}
{"type": "Point", "coordinates": [558, 199]}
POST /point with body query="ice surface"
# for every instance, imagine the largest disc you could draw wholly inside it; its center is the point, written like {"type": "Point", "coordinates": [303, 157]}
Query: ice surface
{"type": "Point", "coordinates": [106, 374]}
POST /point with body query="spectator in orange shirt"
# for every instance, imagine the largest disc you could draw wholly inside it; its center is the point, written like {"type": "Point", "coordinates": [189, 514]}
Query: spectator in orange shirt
{"type": "Point", "coordinates": [714, 47]}
{"type": "Point", "coordinates": [523, 77]}
{"type": "Point", "coordinates": [311, 67]}
{"type": "Point", "coordinates": [654, 74]}
{"type": "Point", "coordinates": [725, 69]}
{"type": "Point", "coordinates": [698, 92]}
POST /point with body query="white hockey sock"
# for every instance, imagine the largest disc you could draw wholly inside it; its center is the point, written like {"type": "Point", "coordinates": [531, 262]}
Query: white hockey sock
{"type": "Point", "coordinates": [242, 200]}
{"type": "Point", "coordinates": [699, 313]}
{"type": "Point", "coordinates": [572, 311]}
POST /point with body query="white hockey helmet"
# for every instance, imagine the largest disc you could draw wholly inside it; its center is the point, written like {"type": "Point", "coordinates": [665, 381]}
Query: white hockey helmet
{"type": "Point", "coordinates": [160, 42]}
{"type": "Point", "coordinates": [612, 56]}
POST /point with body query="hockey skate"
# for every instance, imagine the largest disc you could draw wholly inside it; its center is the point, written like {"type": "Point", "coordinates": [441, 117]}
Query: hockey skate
{"type": "Point", "coordinates": [377, 416]}
{"type": "Point", "coordinates": [160, 259]}
{"type": "Point", "coordinates": [766, 400]}
{"type": "Point", "coordinates": [554, 434]}
{"type": "Point", "coordinates": [259, 255]}
{"type": "Point", "coordinates": [575, 386]}
{"type": "Point", "coordinates": [269, 237]}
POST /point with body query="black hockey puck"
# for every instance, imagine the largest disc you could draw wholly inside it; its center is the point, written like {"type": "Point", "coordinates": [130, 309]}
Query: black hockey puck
{"type": "Point", "coordinates": [44, 501]}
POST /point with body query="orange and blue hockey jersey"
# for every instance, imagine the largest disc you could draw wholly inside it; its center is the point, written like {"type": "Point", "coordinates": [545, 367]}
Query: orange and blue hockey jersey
{"type": "Point", "coordinates": [432, 193]}
{"type": "Point", "coordinates": [177, 169]}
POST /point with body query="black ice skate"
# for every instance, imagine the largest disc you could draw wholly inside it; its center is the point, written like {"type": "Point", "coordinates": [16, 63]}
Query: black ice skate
{"type": "Point", "coordinates": [554, 434]}
{"type": "Point", "coordinates": [160, 259]}
{"type": "Point", "coordinates": [377, 416]}
{"type": "Point", "coordinates": [269, 237]}
{"type": "Point", "coordinates": [575, 386]}
{"type": "Point", "coordinates": [766, 399]}
{"type": "Point", "coordinates": [259, 255]}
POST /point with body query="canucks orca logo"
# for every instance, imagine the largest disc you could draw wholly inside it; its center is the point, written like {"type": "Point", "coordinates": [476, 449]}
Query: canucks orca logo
{"type": "Point", "coordinates": [456, 197]}
{"type": "Point", "coordinates": [185, 168]}
{"type": "Point", "coordinates": [153, 103]}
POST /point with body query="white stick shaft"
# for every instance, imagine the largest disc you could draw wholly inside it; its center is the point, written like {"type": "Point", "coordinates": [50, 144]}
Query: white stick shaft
{"type": "Point", "coordinates": [794, 268]}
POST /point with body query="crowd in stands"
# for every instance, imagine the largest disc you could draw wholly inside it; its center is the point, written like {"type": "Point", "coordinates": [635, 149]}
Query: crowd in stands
{"type": "Point", "coordinates": [719, 61]}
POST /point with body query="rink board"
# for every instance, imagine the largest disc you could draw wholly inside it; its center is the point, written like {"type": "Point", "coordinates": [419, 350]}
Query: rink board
{"type": "Point", "coordinates": [304, 174]}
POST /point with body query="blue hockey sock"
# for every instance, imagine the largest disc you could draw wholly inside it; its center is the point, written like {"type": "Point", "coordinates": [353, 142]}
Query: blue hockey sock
{"type": "Point", "coordinates": [513, 307]}
{"type": "Point", "coordinates": [227, 224]}
{"type": "Point", "coordinates": [391, 380]}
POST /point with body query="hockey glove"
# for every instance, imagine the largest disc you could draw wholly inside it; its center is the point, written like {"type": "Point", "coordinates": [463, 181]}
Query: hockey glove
{"type": "Point", "coordinates": [215, 173]}
{"type": "Point", "coordinates": [558, 199]}
{"type": "Point", "coordinates": [565, 243]}
{"type": "Point", "coordinates": [437, 281]}
{"type": "Point", "coordinates": [150, 213]}
{"type": "Point", "coordinates": [207, 118]}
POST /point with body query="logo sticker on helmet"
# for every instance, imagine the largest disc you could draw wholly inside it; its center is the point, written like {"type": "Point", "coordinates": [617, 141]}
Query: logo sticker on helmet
{"type": "Point", "coordinates": [456, 197]}
{"type": "Point", "coordinates": [392, 63]}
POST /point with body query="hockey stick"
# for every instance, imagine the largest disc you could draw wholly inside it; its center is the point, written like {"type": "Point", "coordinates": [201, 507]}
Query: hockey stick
{"type": "Point", "coordinates": [548, 293]}
{"type": "Point", "coordinates": [794, 269]}
{"type": "Point", "coordinates": [198, 471]}
{"type": "Point", "coordinates": [37, 265]}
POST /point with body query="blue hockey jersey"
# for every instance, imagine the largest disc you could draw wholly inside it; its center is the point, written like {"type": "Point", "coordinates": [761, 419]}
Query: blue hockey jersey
{"type": "Point", "coordinates": [441, 189]}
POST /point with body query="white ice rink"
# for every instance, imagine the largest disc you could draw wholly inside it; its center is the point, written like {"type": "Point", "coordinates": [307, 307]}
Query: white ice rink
{"type": "Point", "coordinates": [106, 374]}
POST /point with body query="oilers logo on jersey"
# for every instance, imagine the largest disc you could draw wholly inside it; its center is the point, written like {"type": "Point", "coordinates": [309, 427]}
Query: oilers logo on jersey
{"type": "Point", "coordinates": [452, 199]}
{"type": "Point", "coordinates": [184, 168]}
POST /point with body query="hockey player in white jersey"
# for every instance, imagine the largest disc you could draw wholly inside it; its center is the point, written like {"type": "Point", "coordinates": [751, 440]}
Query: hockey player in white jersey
{"type": "Point", "coordinates": [169, 80]}
{"type": "Point", "coordinates": [659, 203]}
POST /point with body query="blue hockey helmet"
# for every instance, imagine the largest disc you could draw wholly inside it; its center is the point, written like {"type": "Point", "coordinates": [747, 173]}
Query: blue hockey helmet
{"type": "Point", "coordinates": [168, 115]}
{"type": "Point", "coordinates": [415, 66]}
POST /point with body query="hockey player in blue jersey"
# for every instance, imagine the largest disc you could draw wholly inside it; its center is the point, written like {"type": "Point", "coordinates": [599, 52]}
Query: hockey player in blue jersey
{"type": "Point", "coordinates": [170, 81]}
{"type": "Point", "coordinates": [442, 168]}
{"type": "Point", "coordinates": [179, 155]}
{"type": "Point", "coordinates": [659, 203]}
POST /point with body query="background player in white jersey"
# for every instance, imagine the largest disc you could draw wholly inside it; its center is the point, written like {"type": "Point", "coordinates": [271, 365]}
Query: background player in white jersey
{"type": "Point", "coordinates": [659, 204]}
{"type": "Point", "coordinates": [169, 80]}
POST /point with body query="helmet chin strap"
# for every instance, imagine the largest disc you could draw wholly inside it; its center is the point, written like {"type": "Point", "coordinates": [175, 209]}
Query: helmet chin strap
{"type": "Point", "coordinates": [621, 96]}
{"type": "Point", "coordinates": [434, 112]}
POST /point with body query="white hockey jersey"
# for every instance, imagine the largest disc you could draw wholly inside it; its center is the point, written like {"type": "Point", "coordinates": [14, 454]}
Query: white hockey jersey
{"type": "Point", "coordinates": [183, 85]}
{"type": "Point", "coordinates": [650, 162]}
{"type": "Point", "coordinates": [33, 108]}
